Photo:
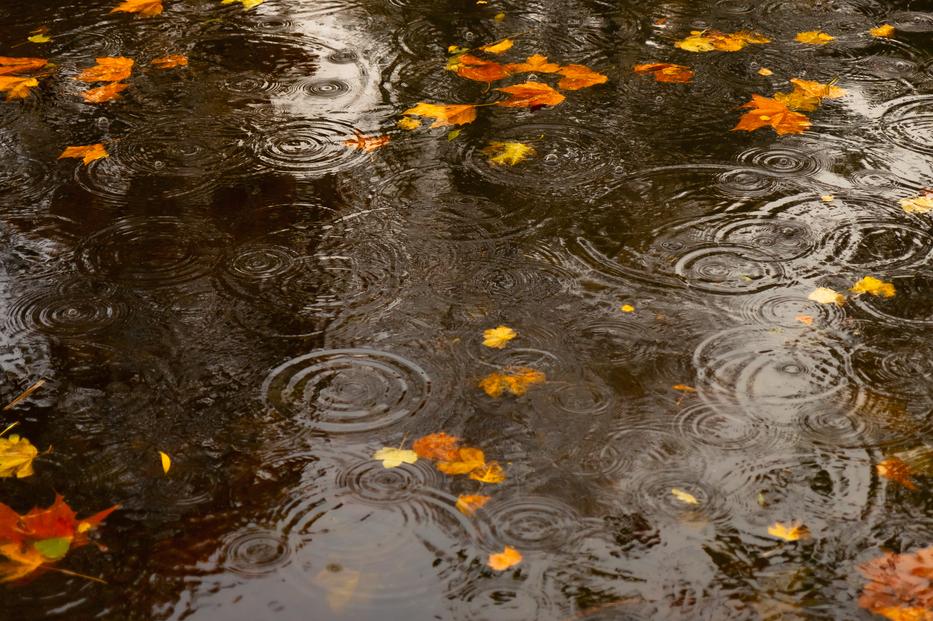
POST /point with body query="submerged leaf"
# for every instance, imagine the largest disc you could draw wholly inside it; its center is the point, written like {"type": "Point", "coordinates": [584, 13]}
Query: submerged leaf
{"type": "Point", "coordinates": [808, 95]}
{"type": "Point", "coordinates": [394, 457]}
{"type": "Point", "coordinates": [437, 446]}
{"type": "Point", "coordinates": [918, 204]}
{"type": "Point", "coordinates": [666, 72]}
{"type": "Point", "coordinates": [536, 63]}
{"type": "Point", "coordinates": [498, 337]}
{"type": "Point", "coordinates": [579, 76]}
{"type": "Point", "coordinates": [897, 470]}
{"type": "Point", "coordinates": [146, 8]}
{"type": "Point", "coordinates": [367, 144]}
{"type": "Point", "coordinates": [530, 95]}
{"type": "Point", "coordinates": [501, 561]}
{"type": "Point", "coordinates": [814, 37]}
{"type": "Point", "coordinates": [171, 61]}
{"type": "Point", "coordinates": [16, 456]}
{"type": "Point", "coordinates": [873, 286]}
{"type": "Point", "coordinates": [510, 153]}
{"type": "Point", "coordinates": [409, 124]}
{"type": "Point", "coordinates": [454, 114]}
{"type": "Point", "coordinates": [105, 93]}
{"type": "Point", "coordinates": [685, 497]}
{"type": "Point", "coordinates": [87, 153]}
{"type": "Point", "coordinates": [766, 111]}
{"type": "Point", "coordinates": [789, 532]}
{"type": "Point", "coordinates": [468, 504]}
{"type": "Point", "coordinates": [10, 65]}
{"type": "Point", "coordinates": [825, 295]}
{"type": "Point", "coordinates": [899, 585]}
{"type": "Point", "coordinates": [489, 473]}
{"type": "Point", "coordinates": [515, 380]}
{"type": "Point", "coordinates": [467, 460]}
{"type": "Point", "coordinates": [108, 69]}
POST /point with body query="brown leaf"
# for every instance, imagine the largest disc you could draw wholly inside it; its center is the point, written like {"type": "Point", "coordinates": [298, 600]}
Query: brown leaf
{"type": "Point", "coordinates": [766, 111]}
{"type": "Point", "coordinates": [108, 69]}
{"type": "Point", "coordinates": [105, 93]}
{"type": "Point", "coordinates": [530, 95]}
{"type": "Point", "coordinates": [666, 72]}
{"type": "Point", "coordinates": [454, 114]}
{"type": "Point", "coordinates": [579, 76]}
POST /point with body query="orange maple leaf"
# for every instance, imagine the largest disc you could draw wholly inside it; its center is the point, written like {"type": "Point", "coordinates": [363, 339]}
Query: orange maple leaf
{"type": "Point", "coordinates": [171, 61]}
{"type": "Point", "coordinates": [17, 87]}
{"type": "Point", "coordinates": [108, 69]}
{"type": "Point", "coordinates": [437, 446]}
{"type": "Point", "coordinates": [530, 95]}
{"type": "Point", "coordinates": [666, 72]}
{"type": "Point", "coordinates": [367, 143]}
{"type": "Point", "coordinates": [11, 65]}
{"type": "Point", "coordinates": [466, 461]}
{"type": "Point", "coordinates": [579, 76]}
{"type": "Point", "coordinates": [89, 153]}
{"type": "Point", "coordinates": [474, 68]}
{"type": "Point", "coordinates": [146, 8]}
{"type": "Point", "coordinates": [808, 95]}
{"type": "Point", "coordinates": [501, 561]}
{"type": "Point", "coordinates": [536, 63]}
{"type": "Point", "coordinates": [767, 111]}
{"type": "Point", "coordinates": [103, 94]}
{"type": "Point", "coordinates": [454, 114]}
{"type": "Point", "coordinates": [515, 380]}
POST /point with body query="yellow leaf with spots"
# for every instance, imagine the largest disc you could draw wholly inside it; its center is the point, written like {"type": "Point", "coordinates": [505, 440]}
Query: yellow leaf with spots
{"type": "Point", "coordinates": [873, 286]}
{"type": "Point", "coordinates": [468, 504]}
{"type": "Point", "coordinates": [394, 457]}
{"type": "Point", "coordinates": [814, 37]}
{"type": "Point", "coordinates": [530, 95]}
{"type": "Point", "coordinates": [87, 153]}
{"type": "Point", "coordinates": [509, 557]}
{"type": "Point", "coordinates": [498, 337]}
{"type": "Point", "coordinates": [884, 31]}
{"type": "Point", "coordinates": [16, 456]}
{"type": "Point", "coordinates": [684, 497]}
{"type": "Point", "coordinates": [489, 473]}
{"type": "Point", "coordinates": [510, 153]}
{"type": "Point", "coordinates": [825, 295]}
{"type": "Point", "coordinates": [515, 380]}
{"type": "Point", "coordinates": [794, 531]}
{"type": "Point", "coordinates": [499, 47]}
{"type": "Point", "coordinates": [918, 204]}
{"type": "Point", "coordinates": [455, 114]}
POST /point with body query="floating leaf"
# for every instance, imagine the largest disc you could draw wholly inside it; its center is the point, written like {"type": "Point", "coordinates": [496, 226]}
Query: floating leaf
{"type": "Point", "coordinates": [683, 388]}
{"type": "Point", "coordinates": [455, 114]}
{"type": "Point", "coordinates": [764, 71]}
{"type": "Point", "coordinates": [918, 204]}
{"type": "Point", "coordinates": [16, 456]}
{"type": "Point", "coordinates": [530, 95]}
{"type": "Point", "coordinates": [394, 457]}
{"type": "Point", "coordinates": [579, 76]}
{"type": "Point", "coordinates": [666, 72]}
{"type": "Point", "coordinates": [899, 585]}
{"type": "Point", "coordinates": [478, 69]}
{"type": "Point", "coordinates": [453, 134]}
{"type": "Point", "coordinates": [108, 69]}
{"type": "Point", "coordinates": [367, 144]}
{"type": "Point", "coordinates": [146, 8]}
{"type": "Point", "coordinates": [39, 38]}
{"type": "Point", "coordinates": [54, 548]}
{"type": "Point", "coordinates": [884, 30]}
{"type": "Point", "coordinates": [825, 295]}
{"type": "Point", "coordinates": [171, 61]}
{"type": "Point", "coordinates": [499, 17]}
{"type": "Point", "coordinates": [873, 286]}
{"type": "Point", "coordinates": [510, 153]}
{"type": "Point", "coordinates": [166, 461]}
{"type": "Point", "coordinates": [685, 497]}
{"type": "Point", "coordinates": [489, 473]}
{"type": "Point", "coordinates": [509, 557]}
{"type": "Point", "coordinates": [103, 94]}
{"type": "Point", "coordinates": [710, 40]}
{"type": "Point", "coordinates": [766, 111]}
{"type": "Point", "coordinates": [897, 470]}
{"type": "Point", "coordinates": [466, 461]}
{"type": "Point", "coordinates": [409, 124]}
{"type": "Point", "coordinates": [17, 87]}
{"type": "Point", "coordinates": [437, 446]}
{"type": "Point", "coordinates": [808, 95]}
{"type": "Point", "coordinates": [11, 65]}
{"type": "Point", "coordinates": [247, 4]}
{"type": "Point", "coordinates": [88, 153]}
{"type": "Point", "coordinates": [814, 37]}
{"type": "Point", "coordinates": [788, 532]}
{"type": "Point", "coordinates": [468, 504]}
{"type": "Point", "coordinates": [499, 47]}
{"type": "Point", "coordinates": [515, 380]}
{"type": "Point", "coordinates": [807, 320]}
{"type": "Point", "coordinates": [536, 63]}
{"type": "Point", "coordinates": [627, 308]}
{"type": "Point", "coordinates": [498, 337]}
{"type": "Point", "coordinates": [827, 198]}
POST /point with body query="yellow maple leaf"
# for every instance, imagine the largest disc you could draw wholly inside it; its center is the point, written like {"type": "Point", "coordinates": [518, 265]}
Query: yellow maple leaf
{"type": "Point", "coordinates": [685, 497]}
{"type": "Point", "coordinates": [146, 8]}
{"type": "Point", "coordinates": [394, 457]}
{"type": "Point", "coordinates": [825, 295]}
{"type": "Point", "coordinates": [468, 504]}
{"type": "Point", "coordinates": [884, 30]}
{"type": "Point", "coordinates": [814, 37]}
{"type": "Point", "coordinates": [16, 456]}
{"type": "Point", "coordinates": [108, 69]}
{"type": "Point", "coordinates": [488, 473]}
{"type": "Point", "coordinates": [536, 63]}
{"type": "Point", "coordinates": [515, 380]}
{"type": "Point", "coordinates": [454, 114]}
{"type": "Point", "coordinates": [498, 47]}
{"type": "Point", "coordinates": [497, 337]}
{"type": "Point", "coordinates": [247, 4]}
{"type": "Point", "coordinates": [88, 153]}
{"type": "Point", "coordinates": [509, 557]}
{"type": "Point", "coordinates": [789, 532]}
{"type": "Point", "coordinates": [16, 87]}
{"type": "Point", "coordinates": [530, 95]}
{"type": "Point", "coordinates": [510, 153]}
{"type": "Point", "coordinates": [918, 204]}
{"type": "Point", "coordinates": [766, 111]}
{"type": "Point", "coordinates": [171, 61]}
{"type": "Point", "coordinates": [873, 286]}
{"type": "Point", "coordinates": [466, 461]}
{"type": "Point", "coordinates": [166, 461]}
{"type": "Point", "coordinates": [579, 76]}
{"type": "Point", "coordinates": [39, 38]}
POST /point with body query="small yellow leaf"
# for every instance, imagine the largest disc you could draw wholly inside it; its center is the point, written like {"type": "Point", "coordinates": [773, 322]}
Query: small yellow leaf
{"type": "Point", "coordinates": [627, 308]}
{"type": "Point", "coordinates": [394, 457]}
{"type": "Point", "coordinates": [489, 473]}
{"type": "Point", "coordinates": [765, 72]}
{"type": "Point", "coordinates": [468, 504]}
{"type": "Point", "coordinates": [827, 198]}
{"type": "Point", "coordinates": [814, 37]}
{"type": "Point", "coordinates": [789, 532]}
{"type": "Point", "coordinates": [684, 497]}
{"type": "Point", "coordinates": [16, 456]}
{"type": "Point", "coordinates": [501, 561]}
{"type": "Point", "coordinates": [166, 461]}
{"type": "Point", "coordinates": [499, 17]}
{"type": "Point", "coordinates": [452, 135]}
{"type": "Point", "coordinates": [825, 295]}
{"type": "Point", "coordinates": [510, 153]}
{"type": "Point", "coordinates": [499, 47]}
{"type": "Point", "coordinates": [498, 337]}
{"type": "Point", "coordinates": [683, 388]}
{"type": "Point", "coordinates": [88, 153]}
{"type": "Point", "coordinates": [873, 286]}
{"type": "Point", "coordinates": [884, 30]}
{"type": "Point", "coordinates": [409, 123]}
{"type": "Point", "coordinates": [17, 87]}
{"type": "Point", "coordinates": [39, 38]}
{"type": "Point", "coordinates": [918, 204]}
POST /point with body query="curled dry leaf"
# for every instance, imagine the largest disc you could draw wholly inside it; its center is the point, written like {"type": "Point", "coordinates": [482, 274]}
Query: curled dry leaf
{"type": "Point", "coordinates": [466, 461]}
{"type": "Point", "coordinates": [918, 204]}
{"type": "Point", "coordinates": [530, 95]}
{"type": "Point", "coordinates": [437, 446]}
{"type": "Point", "coordinates": [884, 31]}
{"type": "Point", "coordinates": [478, 69]}
{"type": "Point", "coordinates": [454, 114]}
{"type": "Point", "coordinates": [108, 69]}
{"type": "Point", "coordinates": [17, 87]}
{"type": "Point", "coordinates": [713, 40]}
{"type": "Point", "coordinates": [766, 111]}
{"type": "Point", "coordinates": [146, 8]}
{"type": "Point", "coordinates": [509, 557]}
{"type": "Point", "coordinates": [825, 295]}
{"type": "Point", "coordinates": [468, 504]}
{"type": "Point", "coordinates": [87, 153]}
{"type": "Point", "coordinates": [171, 61]}
{"type": "Point", "coordinates": [498, 47]}
{"type": "Point", "coordinates": [105, 93]}
{"type": "Point", "coordinates": [367, 143]}
{"type": "Point", "coordinates": [394, 457]}
{"type": "Point", "coordinates": [666, 72]}
{"type": "Point", "coordinates": [12, 65]}
{"type": "Point", "coordinates": [16, 456]}
{"type": "Point", "coordinates": [808, 95]}
{"type": "Point", "coordinates": [899, 585]}
{"type": "Point", "coordinates": [789, 532]}
{"type": "Point", "coordinates": [515, 380]}
{"type": "Point", "coordinates": [510, 153]}
{"type": "Point", "coordinates": [536, 63]}
{"type": "Point", "coordinates": [897, 470]}
{"type": "Point", "coordinates": [814, 37]}
{"type": "Point", "coordinates": [497, 337]}
{"type": "Point", "coordinates": [873, 286]}
{"type": "Point", "coordinates": [579, 76]}
{"type": "Point", "coordinates": [489, 473]}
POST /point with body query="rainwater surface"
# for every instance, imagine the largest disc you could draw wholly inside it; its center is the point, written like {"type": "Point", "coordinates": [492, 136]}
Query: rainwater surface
{"type": "Point", "coordinates": [237, 287]}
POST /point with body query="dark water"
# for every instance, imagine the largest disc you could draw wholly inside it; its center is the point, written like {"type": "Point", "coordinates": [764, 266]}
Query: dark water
{"type": "Point", "coordinates": [237, 288]}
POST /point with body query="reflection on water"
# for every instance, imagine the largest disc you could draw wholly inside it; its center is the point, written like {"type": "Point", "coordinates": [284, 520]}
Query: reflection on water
{"type": "Point", "coordinates": [235, 286]}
